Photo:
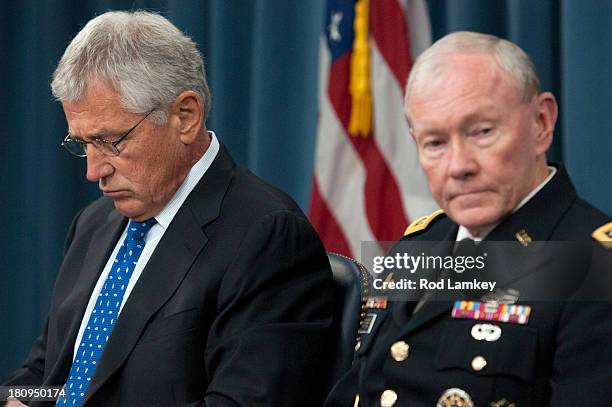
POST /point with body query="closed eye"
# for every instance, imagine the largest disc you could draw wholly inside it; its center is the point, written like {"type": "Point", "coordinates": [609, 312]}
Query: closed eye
{"type": "Point", "coordinates": [100, 141]}
{"type": "Point", "coordinates": [483, 135]}
{"type": "Point", "coordinates": [433, 143]}
{"type": "Point", "coordinates": [484, 130]}
{"type": "Point", "coordinates": [77, 140]}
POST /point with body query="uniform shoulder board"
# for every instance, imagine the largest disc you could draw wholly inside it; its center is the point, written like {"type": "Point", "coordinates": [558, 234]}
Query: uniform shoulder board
{"type": "Point", "coordinates": [603, 234]}
{"type": "Point", "coordinates": [422, 223]}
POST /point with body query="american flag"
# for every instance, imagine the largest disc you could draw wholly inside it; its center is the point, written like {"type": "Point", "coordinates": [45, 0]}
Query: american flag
{"type": "Point", "coordinates": [367, 187]}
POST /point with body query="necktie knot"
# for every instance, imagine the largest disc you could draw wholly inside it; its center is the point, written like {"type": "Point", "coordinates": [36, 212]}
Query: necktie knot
{"type": "Point", "coordinates": [466, 247]}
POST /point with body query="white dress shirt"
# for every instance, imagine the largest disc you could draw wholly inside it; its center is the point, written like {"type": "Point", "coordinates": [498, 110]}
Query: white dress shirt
{"type": "Point", "coordinates": [164, 218]}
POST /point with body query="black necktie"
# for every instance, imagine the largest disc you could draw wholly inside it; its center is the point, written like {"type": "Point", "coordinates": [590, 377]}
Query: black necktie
{"type": "Point", "coordinates": [464, 247]}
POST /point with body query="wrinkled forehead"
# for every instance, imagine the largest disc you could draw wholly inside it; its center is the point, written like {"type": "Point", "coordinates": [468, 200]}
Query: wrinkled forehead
{"type": "Point", "coordinates": [460, 76]}
{"type": "Point", "coordinates": [99, 109]}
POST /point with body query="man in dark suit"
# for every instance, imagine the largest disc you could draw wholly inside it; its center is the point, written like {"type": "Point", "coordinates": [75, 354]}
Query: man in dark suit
{"type": "Point", "coordinates": [482, 128]}
{"type": "Point", "coordinates": [191, 282]}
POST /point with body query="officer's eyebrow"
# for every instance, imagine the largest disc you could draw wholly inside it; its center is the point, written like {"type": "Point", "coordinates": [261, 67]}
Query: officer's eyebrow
{"type": "Point", "coordinates": [480, 113]}
{"type": "Point", "coordinates": [484, 113]}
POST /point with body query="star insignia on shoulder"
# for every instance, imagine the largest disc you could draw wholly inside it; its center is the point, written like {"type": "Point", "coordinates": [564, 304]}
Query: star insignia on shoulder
{"type": "Point", "coordinates": [422, 223]}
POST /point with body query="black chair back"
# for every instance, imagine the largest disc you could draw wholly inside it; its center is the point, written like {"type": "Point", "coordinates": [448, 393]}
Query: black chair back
{"type": "Point", "coordinates": [349, 276]}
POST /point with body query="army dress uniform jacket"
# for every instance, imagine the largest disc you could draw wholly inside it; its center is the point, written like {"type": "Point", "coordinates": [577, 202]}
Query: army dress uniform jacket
{"type": "Point", "coordinates": [561, 357]}
{"type": "Point", "coordinates": [233, 308]}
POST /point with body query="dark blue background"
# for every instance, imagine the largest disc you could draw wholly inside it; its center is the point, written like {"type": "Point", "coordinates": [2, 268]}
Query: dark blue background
{"type": "Point", "coordinates": [262, 59]}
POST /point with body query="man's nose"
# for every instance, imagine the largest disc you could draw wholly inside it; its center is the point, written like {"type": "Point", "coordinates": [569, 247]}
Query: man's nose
{"type": "Point", "coordinates": [97, 165]}
{"type": "Point", "coordinates": [463, 163]}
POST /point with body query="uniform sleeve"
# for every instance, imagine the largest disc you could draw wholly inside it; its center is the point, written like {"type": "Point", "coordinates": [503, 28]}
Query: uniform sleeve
{"type": "Point", "coordinates": [583, 361]}
{"type": "Point", "coordinates": [582, 364]}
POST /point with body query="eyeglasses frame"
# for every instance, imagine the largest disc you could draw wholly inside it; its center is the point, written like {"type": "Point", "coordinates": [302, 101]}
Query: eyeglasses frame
{"type": "Point", "coordinates": [99, 142]}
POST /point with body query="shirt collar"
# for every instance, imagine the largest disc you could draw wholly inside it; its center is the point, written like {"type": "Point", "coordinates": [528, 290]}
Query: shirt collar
{"type": "Point", "coordinates": [193, 177]}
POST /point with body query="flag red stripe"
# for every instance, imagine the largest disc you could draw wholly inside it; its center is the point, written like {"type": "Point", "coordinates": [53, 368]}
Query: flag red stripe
{"type": "Point", "coordinates": [326, 225]}
{"type": "Point", "coordinates": [384, 208]}
{"type": "Point", "coordinates": [383, 199]}
{"type": "Point", "coordinates": [388, 27]}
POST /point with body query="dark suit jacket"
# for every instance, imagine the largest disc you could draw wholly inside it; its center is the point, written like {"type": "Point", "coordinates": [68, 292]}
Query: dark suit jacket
{"type": "Point", "coordinates": [233, 308]}
{"type": "Point", "coordinates": [561, 357]}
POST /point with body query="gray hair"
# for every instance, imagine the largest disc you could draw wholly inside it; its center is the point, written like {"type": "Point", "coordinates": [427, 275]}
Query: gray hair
{"type": "Point", "coordinates": [508, 55]}
{"type": "Point", "coordinates": [143, 56]}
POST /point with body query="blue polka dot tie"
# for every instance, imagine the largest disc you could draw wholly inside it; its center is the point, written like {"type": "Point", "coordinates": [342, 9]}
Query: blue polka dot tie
{"type": "Point", "coordinates": [104, 314]}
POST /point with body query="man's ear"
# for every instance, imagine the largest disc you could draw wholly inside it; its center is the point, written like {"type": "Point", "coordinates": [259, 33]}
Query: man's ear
{"type": "Point", "coordinates": [546, 118]}
{"type": "Point", "coordinates": [188, 112]}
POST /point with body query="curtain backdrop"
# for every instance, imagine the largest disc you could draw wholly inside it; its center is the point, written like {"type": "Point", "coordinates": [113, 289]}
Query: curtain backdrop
{"type": "Point", "coordinates": [262, 60]}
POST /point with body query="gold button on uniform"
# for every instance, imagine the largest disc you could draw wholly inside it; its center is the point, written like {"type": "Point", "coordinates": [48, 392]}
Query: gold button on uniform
{"type": "Point", "coordinates": [399, 351]}
{"type": "Point", "coordinates": [479, 363]}
{"type": "Point", "coordinates": [357, 346]}
{"type": "Point", "coordinates": [388, 398]}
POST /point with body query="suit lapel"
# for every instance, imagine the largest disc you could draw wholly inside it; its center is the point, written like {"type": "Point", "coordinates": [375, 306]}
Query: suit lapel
{"type": "Point", "coordinates": [102, 243]}
{"type": "Point", "coordinates": [164, 272]}
{"type": "Point", "coordinates": [167, 267]}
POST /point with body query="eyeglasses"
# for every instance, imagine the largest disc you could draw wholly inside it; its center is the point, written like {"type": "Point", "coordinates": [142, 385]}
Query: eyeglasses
{"type": "Point", "coordinates": [109, 148]}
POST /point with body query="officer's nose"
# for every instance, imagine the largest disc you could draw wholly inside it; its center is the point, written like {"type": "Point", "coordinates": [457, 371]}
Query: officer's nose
{"type": "Point", "coordinates": [98, 165]}
{"type": "Point", "coordinates": [462, 160]}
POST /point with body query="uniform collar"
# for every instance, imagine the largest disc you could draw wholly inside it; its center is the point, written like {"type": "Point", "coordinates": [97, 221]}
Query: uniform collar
{"type": "Point", "coordinates": [464, 233]}
{"type": "Point", "coordinates": [537, 218]}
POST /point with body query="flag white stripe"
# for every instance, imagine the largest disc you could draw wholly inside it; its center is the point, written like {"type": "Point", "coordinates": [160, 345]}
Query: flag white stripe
{"type": "Point", "coordinates": [394, 141]}
{"type": "Point", "coordinates": [419, 28]}
{"type": "Point", "coordinates": [339, 168]}
{"type": "Point", "coordinates": [339, 171]}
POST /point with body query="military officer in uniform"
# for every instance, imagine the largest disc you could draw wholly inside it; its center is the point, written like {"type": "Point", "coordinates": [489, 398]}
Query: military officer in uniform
{"type": "Point", "coordinates": [482, 128]}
